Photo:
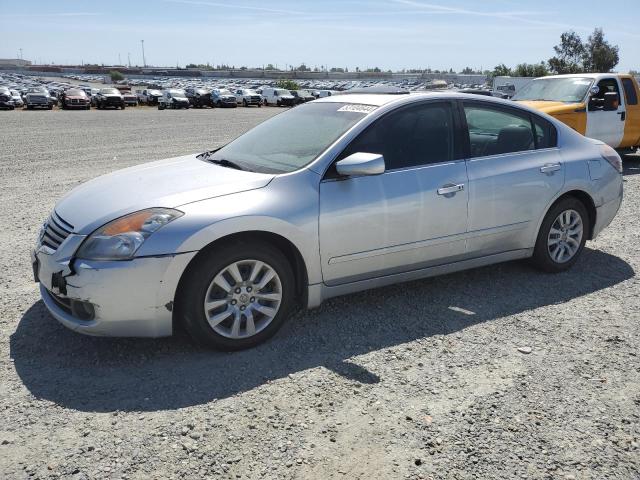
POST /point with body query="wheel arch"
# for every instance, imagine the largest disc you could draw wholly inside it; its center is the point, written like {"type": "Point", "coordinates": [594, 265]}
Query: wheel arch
{"type": "Point", "coordinates": [288, 249]}
{"type": "Point", "coordinates": [585, 199]}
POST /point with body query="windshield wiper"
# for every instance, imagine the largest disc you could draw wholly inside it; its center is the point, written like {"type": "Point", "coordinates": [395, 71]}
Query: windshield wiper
{"type": "Point", "coordinates": [223, 162]}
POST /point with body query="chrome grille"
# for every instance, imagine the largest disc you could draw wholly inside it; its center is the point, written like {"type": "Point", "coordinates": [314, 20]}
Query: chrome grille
{"type": "Point", "coordinates": [55, 232]}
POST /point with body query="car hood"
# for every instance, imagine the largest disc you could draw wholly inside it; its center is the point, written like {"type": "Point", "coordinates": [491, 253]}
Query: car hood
{"type": "Point", "coordinates": [165, 183]}
{"type": "Point", "coordinates": [552, 108]}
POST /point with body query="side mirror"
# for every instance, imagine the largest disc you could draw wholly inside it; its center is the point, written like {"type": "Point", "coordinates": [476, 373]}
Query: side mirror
{"type": "Point", "coordinates": [361, 164]}
{"type": "Point", "coordinates": [594, 90]}
{"type": "Point", "coordinates": [611, 101]}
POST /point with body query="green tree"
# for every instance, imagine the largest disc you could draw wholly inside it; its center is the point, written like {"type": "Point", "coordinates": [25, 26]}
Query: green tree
{"type": "Point", "coordinates": [531, 70]}
{"type": "Point", "coordinates": [501, 71]}
{"type": "Point", "coordinates": [570, 53]}
{"type": "Point", "coordinates": [600, 55]}
{"type": "Point", "coordinates": [287, 84]}
{"type": "Point", "coordinates": [116, 76]}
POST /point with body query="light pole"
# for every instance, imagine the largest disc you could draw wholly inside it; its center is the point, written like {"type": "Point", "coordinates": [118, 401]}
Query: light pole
{"type": "Point", "coordinates": [144, 61]}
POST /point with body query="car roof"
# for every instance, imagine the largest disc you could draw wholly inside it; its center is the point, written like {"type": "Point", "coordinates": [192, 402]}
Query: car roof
{"type": "Point", "coordinates": [379, 100]}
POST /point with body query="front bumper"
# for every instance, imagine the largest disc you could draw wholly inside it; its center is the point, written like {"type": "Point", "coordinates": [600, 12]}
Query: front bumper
{"type": "Point", "coordinates": [131, 298]}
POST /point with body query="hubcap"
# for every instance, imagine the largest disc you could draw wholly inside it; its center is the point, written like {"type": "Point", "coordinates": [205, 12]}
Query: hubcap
{"type": "Point", "coordinates": [243, 299]}
{"type": "Point", "coordinates": [565, 236]}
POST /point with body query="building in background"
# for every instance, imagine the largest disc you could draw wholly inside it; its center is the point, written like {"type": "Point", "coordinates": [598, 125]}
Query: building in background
{"type": "Point", "coordinates": [14, 62]}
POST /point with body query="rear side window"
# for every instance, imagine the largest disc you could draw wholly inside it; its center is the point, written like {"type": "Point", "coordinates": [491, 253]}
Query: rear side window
{"type": "Point", "coordinates": [546, 134]}
{"type": "Point", "coordinates": [496, 131]}
{"type": "Point", "coordinates": [630, 91]}
{"type": "Point", "coordinates": [409, 137]}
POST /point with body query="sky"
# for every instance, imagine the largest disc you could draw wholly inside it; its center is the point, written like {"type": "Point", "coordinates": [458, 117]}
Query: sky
{"type": "Point", "coordinates": [390, 34]}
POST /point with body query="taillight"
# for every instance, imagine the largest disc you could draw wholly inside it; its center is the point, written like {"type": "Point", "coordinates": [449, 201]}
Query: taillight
{"type": "Point", "coordinates": [611, 156]}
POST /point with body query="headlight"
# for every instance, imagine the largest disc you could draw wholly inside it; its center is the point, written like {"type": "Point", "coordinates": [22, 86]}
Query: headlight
{"type": "Point", "coordinates": [121, 238]}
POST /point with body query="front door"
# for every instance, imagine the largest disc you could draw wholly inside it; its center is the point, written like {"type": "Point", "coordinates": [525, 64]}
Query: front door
{"type": "Point", "coordinates": [607, 126]}
{"type": "Point", "coordinates": [412, 216]}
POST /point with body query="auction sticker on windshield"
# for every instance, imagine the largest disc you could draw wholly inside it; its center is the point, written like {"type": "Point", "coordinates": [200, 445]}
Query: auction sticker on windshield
{"type": "Point", "coordinates": [357, 108]}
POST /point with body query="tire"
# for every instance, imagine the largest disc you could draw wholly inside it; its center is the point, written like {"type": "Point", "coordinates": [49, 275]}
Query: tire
{"type": "Point", "coordinates": [49, 107]}
{"type": "Point", "coordinates": [266, 104]}
{"type": "Point", "coordinates": [198, 285]}
{"type": "Point", "coordinates": [549, 258]}
{"type": "Point", "coordinates": [122, 106]}
{"type": "Point", "coordinates": [219, 104]}
{"type": "Point", "coordinates": [244, 102]}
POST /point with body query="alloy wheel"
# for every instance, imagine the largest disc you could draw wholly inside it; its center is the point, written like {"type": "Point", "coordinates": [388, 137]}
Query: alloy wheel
{"type": "Point", "coordinates": [565, 236]}
{"type": "Point", "coordinates": [243, 299]}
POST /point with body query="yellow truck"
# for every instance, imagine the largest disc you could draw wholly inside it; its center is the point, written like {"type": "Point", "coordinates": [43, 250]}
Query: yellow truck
{"type": "Point", "coordinates": [603, 106]}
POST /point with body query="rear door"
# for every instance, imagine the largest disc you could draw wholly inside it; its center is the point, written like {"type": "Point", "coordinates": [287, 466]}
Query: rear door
{"type": "Point", "coordinates": [412, 216]}
{"type": "Point", "coordinates": [607, 126]}
{"type": "Point", "coordinates": [515, 170]}
{"type": "Point", "coordinates": [632, 122]}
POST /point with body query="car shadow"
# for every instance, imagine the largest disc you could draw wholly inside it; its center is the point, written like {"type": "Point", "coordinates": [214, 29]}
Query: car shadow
{"type": "Point", "coordinates": [631, 164]}
{"type": "Point", "coordinates": [103, 374]}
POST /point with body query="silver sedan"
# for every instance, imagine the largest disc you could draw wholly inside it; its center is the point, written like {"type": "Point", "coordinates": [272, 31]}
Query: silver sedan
{"type": "Point", "coordinates": [338, 195]}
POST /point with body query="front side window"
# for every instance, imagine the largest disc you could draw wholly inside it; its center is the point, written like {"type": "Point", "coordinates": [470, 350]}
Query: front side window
{"type": "Point", "coordinates": [409, 137]}
{"type": "Point", "coordinates": [494, 131]}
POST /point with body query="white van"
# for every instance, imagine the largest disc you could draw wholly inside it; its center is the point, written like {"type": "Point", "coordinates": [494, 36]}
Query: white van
{"type": "Point", "coordinates": [277, 96]}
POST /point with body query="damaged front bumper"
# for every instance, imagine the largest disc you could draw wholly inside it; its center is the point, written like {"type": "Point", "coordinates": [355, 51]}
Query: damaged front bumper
{"type": "Point", "coordinates": [132, 298]}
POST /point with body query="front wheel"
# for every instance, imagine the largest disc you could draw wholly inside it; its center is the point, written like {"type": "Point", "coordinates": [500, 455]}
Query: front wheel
{"type": "Point", "coordinates": [562, 236]}
{"type": "Point", "coordinates": [237, 296]}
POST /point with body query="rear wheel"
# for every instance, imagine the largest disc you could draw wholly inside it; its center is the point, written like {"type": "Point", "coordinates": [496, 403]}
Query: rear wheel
{"type": "Point", "coordinates": [562, 236]}
{"type": "Point", "coordinates": [237, 296]}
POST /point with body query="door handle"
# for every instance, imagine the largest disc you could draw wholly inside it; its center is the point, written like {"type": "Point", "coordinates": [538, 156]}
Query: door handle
{"type": "Point", "coordinates": [549, 168]}
{"type": "Point", "coordinates": [623, 115]}
{"type": "Point", "coordinates": [450, 188]}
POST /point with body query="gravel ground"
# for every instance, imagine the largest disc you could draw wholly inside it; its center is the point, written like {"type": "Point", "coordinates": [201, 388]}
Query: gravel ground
{"type": "Point", "coordinates": [495, 373]}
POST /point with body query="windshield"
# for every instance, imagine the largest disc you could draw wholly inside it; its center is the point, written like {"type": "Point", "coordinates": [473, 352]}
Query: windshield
{"type": "Point", "coordinates": [37, 90]}
{"type": "Point", "coordinates": [110, 91]}
{"type": "Point", "coordinates": [570, 90]}
{"type": "Point", "coordinates": [292, 139]}
{"type": "Point", "coordinates": [303, 93]}
{"type": "Point", "coordinates": [282, 91]}
{"type": "Point", "coordinates": [224, 91]}
{"type": "Point", "coordinates": [155, 92]}
{"type": "Point", "coordinates": [73, 91]}
{"type": "Point", "coordinates": [177, 93]}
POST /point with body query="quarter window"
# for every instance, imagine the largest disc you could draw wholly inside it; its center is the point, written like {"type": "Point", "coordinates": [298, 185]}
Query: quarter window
{"type": "Point", "coordinates": [630, 91]}
{"type": "Point", "coordinates": [494, 131]}
{"type": "Point", "coordinates": [409, 137]}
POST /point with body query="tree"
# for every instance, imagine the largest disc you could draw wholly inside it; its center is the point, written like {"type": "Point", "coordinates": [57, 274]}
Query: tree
{"type": "Point", "coordinates": [467, 71]}
{"type": "Point", "coordinates": [116, 76]}
{"type": "Point", "coordinates": [570, 53]}
{"type": "Point", "coordinates": [531, 70]}
{"type": "Point", "coordinates": [600, 55]}
{"type": "Point", "coordinates": [287, 84]}
{"type": "Point", "coordinates": [501, 71]}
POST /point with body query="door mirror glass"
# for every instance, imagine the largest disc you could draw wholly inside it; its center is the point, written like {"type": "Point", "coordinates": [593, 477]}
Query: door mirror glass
{"type": "Point", "coordinates": [594, 90]}
{"type": "Point", "coordinates": [361, 164]}
{"type": "Point", "coordinates": [611, 101]}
